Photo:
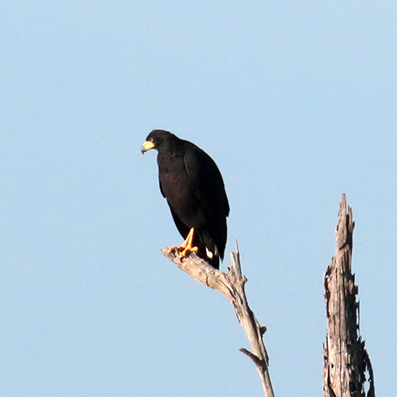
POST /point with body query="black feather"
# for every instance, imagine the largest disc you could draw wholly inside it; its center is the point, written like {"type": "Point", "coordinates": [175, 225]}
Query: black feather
{"type": "Point", "coordinates": [195, 192]}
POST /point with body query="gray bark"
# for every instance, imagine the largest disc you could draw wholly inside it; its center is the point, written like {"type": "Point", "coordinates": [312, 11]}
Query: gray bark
{"type": "Point", "coordinates": [231, 284]}
{"type": "Point", "coordinates": [347, 370]}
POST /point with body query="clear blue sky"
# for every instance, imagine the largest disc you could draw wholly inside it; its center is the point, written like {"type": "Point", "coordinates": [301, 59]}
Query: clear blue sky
{"type": "Point", "coordinates": [296, 102]}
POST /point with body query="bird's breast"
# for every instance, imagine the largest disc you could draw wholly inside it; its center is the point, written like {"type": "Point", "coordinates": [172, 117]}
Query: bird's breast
{"type": "Point", "coordinates": [176, 188]}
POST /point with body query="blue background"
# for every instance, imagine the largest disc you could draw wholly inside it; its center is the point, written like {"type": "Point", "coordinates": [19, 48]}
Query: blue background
{"type": "Point", "coordinates": [296, 102]}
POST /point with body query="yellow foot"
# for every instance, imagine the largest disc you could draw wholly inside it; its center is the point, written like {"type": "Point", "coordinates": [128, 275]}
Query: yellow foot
{"type": "Point", "coordinates": [183, 251]}
{"type": "Point", "coordinates": [186, 248]}
{"type": "Point", "coordinates": [173, 249]}
{"type": "Point", "coordinates": [187, 251]}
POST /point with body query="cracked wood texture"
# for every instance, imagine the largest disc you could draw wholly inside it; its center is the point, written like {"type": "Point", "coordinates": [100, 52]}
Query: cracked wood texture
{"type": "Point", "coordinates": [232, 285]}
{"type": "Point", "coordinates": [347, 370]}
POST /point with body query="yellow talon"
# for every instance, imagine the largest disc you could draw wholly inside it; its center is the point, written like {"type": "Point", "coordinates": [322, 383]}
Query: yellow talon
{"type": "Point", "coordinates": [188, 250]}
{"type": "Point", "coordinates": [187, 245]}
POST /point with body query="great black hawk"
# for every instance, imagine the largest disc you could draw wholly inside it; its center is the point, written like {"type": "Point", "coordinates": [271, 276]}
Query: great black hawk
{"type": "Point", "coordinates": [193, 186]}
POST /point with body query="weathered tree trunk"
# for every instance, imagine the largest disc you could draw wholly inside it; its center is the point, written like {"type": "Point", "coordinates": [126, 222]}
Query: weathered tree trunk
{"type": "Point", "coordinates": [231, 284]}
{"type": "Point", "coordinates": [346, 361]}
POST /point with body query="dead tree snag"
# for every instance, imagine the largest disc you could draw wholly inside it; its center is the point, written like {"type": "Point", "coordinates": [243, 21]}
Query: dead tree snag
{"type": "Point", "coordinates": [347, 367]}
{"type": "Point", "coordinates": [232, 285]}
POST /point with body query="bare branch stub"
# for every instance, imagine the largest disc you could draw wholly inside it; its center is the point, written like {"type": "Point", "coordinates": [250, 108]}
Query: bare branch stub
{"type": "Point", "coordinates": [346, 360]}
{"type": "Point", "coordinates": [232, 285]}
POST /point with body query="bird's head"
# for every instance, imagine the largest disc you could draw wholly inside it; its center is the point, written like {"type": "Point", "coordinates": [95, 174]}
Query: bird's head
{"type": "Point", "coordinates": [157, 139]}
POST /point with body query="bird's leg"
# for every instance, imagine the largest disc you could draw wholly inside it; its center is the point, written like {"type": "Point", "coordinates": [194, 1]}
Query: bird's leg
{"type": "Point", "coordinates": [187, 245]}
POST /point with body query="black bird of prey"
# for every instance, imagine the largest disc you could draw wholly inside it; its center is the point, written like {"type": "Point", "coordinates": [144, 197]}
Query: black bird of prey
{"type": "Point", "coordinates": [193, 186]}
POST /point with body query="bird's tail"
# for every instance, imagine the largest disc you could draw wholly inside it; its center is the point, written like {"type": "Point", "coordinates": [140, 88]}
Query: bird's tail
{"type": "Point", "coordinates": [208, 256]}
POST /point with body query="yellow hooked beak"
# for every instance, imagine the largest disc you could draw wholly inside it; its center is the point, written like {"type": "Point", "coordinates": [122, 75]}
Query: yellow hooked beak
{"type": "Point", "coordinates": [147, 146]}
